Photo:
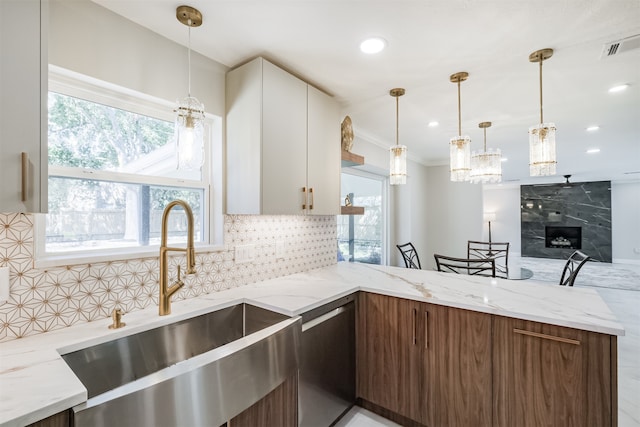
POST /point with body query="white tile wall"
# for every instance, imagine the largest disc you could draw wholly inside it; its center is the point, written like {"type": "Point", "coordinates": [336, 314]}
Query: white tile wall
{"type": "Point", "coordinates": [42, 300]}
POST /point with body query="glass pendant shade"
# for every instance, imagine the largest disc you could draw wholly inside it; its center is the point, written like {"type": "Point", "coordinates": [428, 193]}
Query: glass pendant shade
{"type": "Point", "coordinates": [398, 165]}
{"type": "Point", "coordinates": [542, 149]}
{"type": "Point", "coordinates": [486, 166]}
{"type": "Point", "coordinates": [460, 158]}
{"type": "Point", "coordinates": [189, 134]}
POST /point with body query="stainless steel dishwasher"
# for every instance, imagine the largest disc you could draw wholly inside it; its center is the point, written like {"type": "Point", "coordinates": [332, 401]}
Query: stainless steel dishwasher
{"type": "Point", "coordinates": [327, 385]}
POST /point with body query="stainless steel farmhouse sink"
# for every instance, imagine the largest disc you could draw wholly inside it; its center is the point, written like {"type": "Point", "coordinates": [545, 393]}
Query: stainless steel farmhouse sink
{"type": "Point", "coordinates": [201, 371]}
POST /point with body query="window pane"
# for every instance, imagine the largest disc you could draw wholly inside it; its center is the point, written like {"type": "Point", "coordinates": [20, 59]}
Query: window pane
{"type": "Point", "coordinates": [89, 135]}
{"type": "Point", "coordinates": [90, 214]}
{"type": "Point", "coordinates": [361, 240]}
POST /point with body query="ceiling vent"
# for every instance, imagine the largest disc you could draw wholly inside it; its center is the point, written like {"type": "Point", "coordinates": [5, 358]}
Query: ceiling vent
{"type": "Point", "coordinates": [619, 46]}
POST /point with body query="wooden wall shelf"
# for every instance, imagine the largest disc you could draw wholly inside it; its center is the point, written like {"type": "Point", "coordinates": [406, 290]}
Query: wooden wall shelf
{"type": "Point", "coordinates": [352, 210]}
{"type": "Point", "coordinates": [351, 159]}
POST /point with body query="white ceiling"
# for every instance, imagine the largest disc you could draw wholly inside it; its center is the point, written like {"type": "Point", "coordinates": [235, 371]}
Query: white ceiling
{"type": "Point", "coordinates": [428, 40]}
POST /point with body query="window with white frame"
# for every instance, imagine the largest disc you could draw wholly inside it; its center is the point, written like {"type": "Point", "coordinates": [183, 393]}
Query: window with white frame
{"type": "Point", "coordinates": [112, 170]}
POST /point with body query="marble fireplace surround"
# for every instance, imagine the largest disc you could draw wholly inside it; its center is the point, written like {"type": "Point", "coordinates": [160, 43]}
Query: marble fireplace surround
{"type": "Point", "coordinates": [586, 205]}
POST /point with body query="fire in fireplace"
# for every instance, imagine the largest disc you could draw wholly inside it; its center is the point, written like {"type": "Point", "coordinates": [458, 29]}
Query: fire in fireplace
{"type": "Point", "coordinates": [563, 237]}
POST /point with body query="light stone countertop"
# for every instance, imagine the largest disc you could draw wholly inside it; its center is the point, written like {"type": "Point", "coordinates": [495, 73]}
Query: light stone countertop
{"type": "Point", "coordinates": [35, 382]}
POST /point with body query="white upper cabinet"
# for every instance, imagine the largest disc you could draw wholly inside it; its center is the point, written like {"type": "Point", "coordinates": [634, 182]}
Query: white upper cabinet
{"type": "Point", "coordinates": [283, 144]}
{"type": "Point", "coordinates": [23, 106]}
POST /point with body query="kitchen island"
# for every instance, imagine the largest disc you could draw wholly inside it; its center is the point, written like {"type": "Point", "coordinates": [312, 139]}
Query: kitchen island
{"type": "Point", "coordinates": [35, 382]}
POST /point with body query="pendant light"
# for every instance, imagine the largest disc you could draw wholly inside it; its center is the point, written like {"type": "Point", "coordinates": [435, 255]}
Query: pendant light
{"type": "Point", "coordinates": [459, 146]}
{"type": "Point", "coordinates": [486, 165]}
{"type": "Point", "coordinates": [398, 153]}
{"type": "Point", "coordinates": [542, 137]}
{"type": "Point", "coordinates": [189, 130]}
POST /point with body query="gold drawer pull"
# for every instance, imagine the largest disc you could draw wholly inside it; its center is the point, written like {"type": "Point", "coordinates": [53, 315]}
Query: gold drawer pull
{"type": "Point", "coordinates": [546, 337]}
{"type": "Point", "coordinates": [25, 175]}
{"type": "Point", "coordinates": [304, 191]}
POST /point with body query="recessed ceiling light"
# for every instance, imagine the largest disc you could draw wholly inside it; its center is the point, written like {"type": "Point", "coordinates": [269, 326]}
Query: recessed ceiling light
{"type": "Point", "coordinates": [433, 124]}
{"type": "Point", "coordinates": [618, 88]}
{"type": "Point", "coordinates": [504, 159]}
{"type": "Point", "coordinates": [593, 128]}
{"type": "Point", "coordinates": [373, 45]}
{"type": "Point", "coordinates": [593, 150]}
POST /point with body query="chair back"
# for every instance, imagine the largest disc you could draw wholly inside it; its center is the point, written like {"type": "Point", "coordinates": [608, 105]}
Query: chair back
{"type": "Point", "coordinates": [410, 255]}
{"type": "Point", "coordinates": [572, 267]}
{"type": "Point", "coordinates": [497, 251]}
{"type": "Point", "coordinates": [472, 266]}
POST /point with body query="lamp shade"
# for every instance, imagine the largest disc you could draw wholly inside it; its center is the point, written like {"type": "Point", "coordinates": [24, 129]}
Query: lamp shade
{"type": "Point", "coordinates": [398, 165]}
{"type": "Point", "coordinates": [486, 166]}
{"type": "Point", "coordinates": [489, 216]}
{"type": "Point", "coordinates": [189, 134]}
{"type": "Point", "coordinates": [460, 158]}
{"type": "Point", "coordinates": [542, 149]}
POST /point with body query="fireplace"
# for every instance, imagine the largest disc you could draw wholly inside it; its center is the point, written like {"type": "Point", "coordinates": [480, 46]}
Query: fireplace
{"type": "Point", "coordinates": [563, 237]}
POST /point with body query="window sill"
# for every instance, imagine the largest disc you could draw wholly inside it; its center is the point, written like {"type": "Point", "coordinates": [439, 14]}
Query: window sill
{"type": "Point", "coordinates": [79, 258]}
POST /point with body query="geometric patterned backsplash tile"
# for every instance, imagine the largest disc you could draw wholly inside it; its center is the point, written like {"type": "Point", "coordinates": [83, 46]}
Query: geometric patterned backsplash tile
{"type": "Point", "coordinates": [46, 299]}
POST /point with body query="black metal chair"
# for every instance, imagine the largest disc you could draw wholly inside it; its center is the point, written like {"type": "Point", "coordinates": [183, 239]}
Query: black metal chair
{"type": "Point", "coordinates": [497, 251]}
{"type": "Point", "coordinates": [572, 267]}
{"type": "Point", "coordinates": [471, 266]}
{"type": "Point", "coordinates": [410, 256]}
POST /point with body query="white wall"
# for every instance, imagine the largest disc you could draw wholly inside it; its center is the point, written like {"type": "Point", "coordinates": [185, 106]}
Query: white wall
{"type": "Point", "coordinates": [454, 215]}
{"type": "Point", "coordinates": [89, 39]}
{"type": "Point", "coordinates": [625, 221]}
{"type": "Point", "coordinates": [505, 202]}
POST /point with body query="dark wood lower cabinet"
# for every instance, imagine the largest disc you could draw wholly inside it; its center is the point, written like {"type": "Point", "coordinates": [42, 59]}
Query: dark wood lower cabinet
{"type": "Point", "coordinates": [278, 408]}
{"type": "Point", "coordinates": [546, 375]}
{"type": "Point", "coordinates": [437, 366]}
{"type": "Point", "coordinates": [427, 363]}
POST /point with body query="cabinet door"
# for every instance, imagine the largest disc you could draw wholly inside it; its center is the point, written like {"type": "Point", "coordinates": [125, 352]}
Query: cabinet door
{"type": "Point", "coordinates": [551, 375]}
{"type": "Point", "coordinates": [388, 355]}
{"type": "Point", "coordinates": [457, 366]}
{"type": "Point", "coordinates": [323, 153]}
{"type": "Point", "coordinates": [284, 141]}
{"type": "Point", "coordinates": [23, 107]}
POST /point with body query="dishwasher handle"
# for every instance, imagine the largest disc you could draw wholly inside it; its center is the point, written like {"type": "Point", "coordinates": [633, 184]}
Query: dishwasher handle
{"type": "Point", "coordinates": [321, 319]}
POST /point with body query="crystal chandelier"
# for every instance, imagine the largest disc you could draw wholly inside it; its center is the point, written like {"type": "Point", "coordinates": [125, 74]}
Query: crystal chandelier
{"type": "Point", "coordinates": [459, 146]}
{"type": "Point", "coordinates": [398, 153]}
{"type": "Point", "coordinates": [542, 137]}
{"type": "Point", "coordinates": [486, 165]}
{"type": "Point", "coordinates": [189, 129]}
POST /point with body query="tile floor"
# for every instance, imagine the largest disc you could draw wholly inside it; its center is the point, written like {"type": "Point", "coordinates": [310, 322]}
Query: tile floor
{"type": "Point", "coordinates": [625, 303]}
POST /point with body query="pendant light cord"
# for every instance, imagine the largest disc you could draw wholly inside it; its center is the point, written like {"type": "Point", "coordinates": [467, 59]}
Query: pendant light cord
{"type": "Point", "coordinates": [397, 119]}
{"type": "Point", "coordinates": [485, 139]}
{"type": "Point", "coordinates": [541, 61]}
{"type": "Point", "coordinates": [459, 114]}
{"type": "Point", "coordinates": [189, 57]}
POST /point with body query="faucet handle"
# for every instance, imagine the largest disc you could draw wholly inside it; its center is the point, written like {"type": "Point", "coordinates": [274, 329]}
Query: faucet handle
{"type": "Point", "coordinates": [116, 315]}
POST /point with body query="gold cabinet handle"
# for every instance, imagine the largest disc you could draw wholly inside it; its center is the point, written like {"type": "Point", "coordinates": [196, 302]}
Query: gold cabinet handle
{"type": "Point", "coordinates": [415, 321]}
{"type": "Point", "coordinates": [311, 194]}
{"type": "Point", "coordinates": [25, 175]}
{"type": "Point", "coordinates": [304, 191]}
{"type": "Point", "coordinates": [426, 329]}
{"type": "Point", "coordinates": [546, 337]}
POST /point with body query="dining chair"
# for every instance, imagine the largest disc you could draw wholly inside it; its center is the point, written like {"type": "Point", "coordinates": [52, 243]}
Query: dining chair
{"type": "Point", "coordinates": [498, 251]}
{"type": "Point", "coordinates": [572, 267]}
{"type": "Point", "coordinates": [471, 266]}
{"type": "Point", "coordinates": [410, 256]}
